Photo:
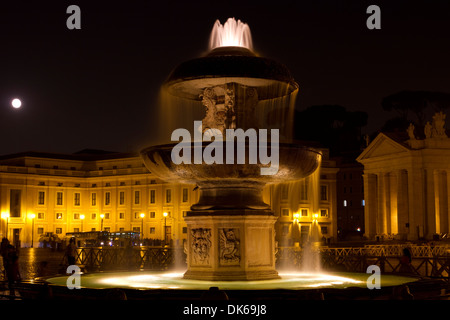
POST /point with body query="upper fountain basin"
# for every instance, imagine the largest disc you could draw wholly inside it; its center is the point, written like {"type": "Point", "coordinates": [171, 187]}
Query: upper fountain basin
{"type": "Point", "coordinates": [231, 65]}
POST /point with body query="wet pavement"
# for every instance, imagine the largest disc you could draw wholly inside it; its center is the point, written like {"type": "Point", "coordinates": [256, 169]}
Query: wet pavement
{"type": "Point", "coordinates": [38, 262]}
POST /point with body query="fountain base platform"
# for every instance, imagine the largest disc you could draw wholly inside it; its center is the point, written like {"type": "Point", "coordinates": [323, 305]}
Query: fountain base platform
{"type": "Point", "coordinates": [231, 245]}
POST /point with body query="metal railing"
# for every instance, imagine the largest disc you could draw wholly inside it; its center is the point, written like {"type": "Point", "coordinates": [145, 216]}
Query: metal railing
{"type": "Point", "coordinates": [132, 258]}
{"type": "Point", "coordinates": [426, 261]}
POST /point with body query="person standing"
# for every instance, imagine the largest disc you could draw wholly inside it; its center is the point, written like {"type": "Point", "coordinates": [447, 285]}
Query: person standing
{"type": "Point", "coordinates": [71, 252]}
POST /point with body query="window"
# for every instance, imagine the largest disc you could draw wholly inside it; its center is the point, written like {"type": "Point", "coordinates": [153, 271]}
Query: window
{"type": "Point", "coordinates": [107, 229]}
{"type": "Point", "coordinates": [107, 215]}
{"type": "Point", "coordinates": [185, 214]}
{"type": "Point", "coordinates": [76, 216]}
{"type": "Point", "coordinates": [121, 229]}
{"type": "Point", "coordinates": [76, 229]}
{"type": "Point", "coordinates": [284, 192]}
{"type": "Point", "coordinates": [94, 199]}
{"type": "Point", "coordinates": [324, 193]}
{"type": "Point", "coordinates": [59, 216]}
{"type": "Point", "coordinates": [363, 202]}
{"type": "Point", "coordinates": [122, 197]}
{"type": "Point", "coordinates": [137, 195]}
{"type": "Point", "coordinates": [92, 229]}
{"type": "Point", "coordinates": [152, 215]}
{"type": "Point", "coordinates": [345, 203]}
{"type": "Point", "coordinates": [185, 194]}
{"type": "Point", "coordinates": [58, 230]}
{"type": "Point", "coordinates": [136, 229]}
{"type": "Point", "coordinates": [41, 215]}
{"type": "Point", "coordinates": [40, 230]}
{"type": "Point", "coordinates": [59, 198]}
{"type": "Point", "coordinates": [152, 230]}
{"type": "Point", "coordinates": [137, 215]}
{"type": "Point", "coordinates": [184, 229]}
{"type": "Point", "coordinates": [41, 197]}
{"type": "Point", "coordinates": [285, 230]}
{"type": "Point", "coordinates": [121, 215]}
{"type": "Point", "coordinates": [304, 190]}
{"type": "Point", "coordinates": [304, 212]}
{"type": "Point", "coordinates": [107, 198]}
{"type": "Point", "coordinates": [15, 203]}
{"type": "Point", "coordinates": [93, 216]}
{"type": "Point", "coordinates": [324, 230]}
{"type": "Point", "coordinates": [285, 212]}
{"type": "Point", "coordinates": [168, 195]}
{"type": "Point", "coordinates": [152, 196]}
{"type": "Point", "coordinates": [76, 198]}
{"type": "Point", "coordinates": [324, 213]}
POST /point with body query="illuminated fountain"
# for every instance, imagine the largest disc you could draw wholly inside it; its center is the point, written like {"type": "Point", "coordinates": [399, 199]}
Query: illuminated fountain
{"type": "Point", "coordinates": [231, 230]}
{"type": "Point", "coordinates": [231, 236]}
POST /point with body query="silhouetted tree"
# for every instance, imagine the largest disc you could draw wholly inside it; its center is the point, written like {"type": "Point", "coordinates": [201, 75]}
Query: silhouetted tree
{"type": "Point", "coordinates": [332, 126]}
{"type": "Point", "coordinates": [415, 102]}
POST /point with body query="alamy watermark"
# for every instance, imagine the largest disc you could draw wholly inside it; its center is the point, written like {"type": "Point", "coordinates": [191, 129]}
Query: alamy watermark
{"type": "Point", "coordinates": [222, 151]}
{"type": "Point", "coordinates": [374, 280]}
{"type": "Point", "coordinates": [74, 280]}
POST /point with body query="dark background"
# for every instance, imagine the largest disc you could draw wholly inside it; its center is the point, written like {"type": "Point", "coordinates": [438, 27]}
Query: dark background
{"type": "Point", "coordinates": [98, 87]}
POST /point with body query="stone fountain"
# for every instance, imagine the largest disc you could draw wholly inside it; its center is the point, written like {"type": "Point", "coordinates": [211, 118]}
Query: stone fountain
{"type": "Point", "coordinates": [231, 232]}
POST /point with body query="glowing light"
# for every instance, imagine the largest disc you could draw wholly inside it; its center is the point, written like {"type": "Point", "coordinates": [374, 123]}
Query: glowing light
{"type": "Point", "coordinates": [16, 103]}
{"type": "Point", "coordinates": [82, 216]}
{"type": "Point", "coordinates": [165, 214]}
{"type": "Point", "coordinates": [142, 215]}
{"type": "Point", "coordinates": [231, 34]}
{"type": "Point", "coordinates": [31, 215]}
{"type": "Point", "coordinates": [5, 215]}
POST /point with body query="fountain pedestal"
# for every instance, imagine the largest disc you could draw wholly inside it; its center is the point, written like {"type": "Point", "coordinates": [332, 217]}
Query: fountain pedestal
{"type": "Point", "coordinates": [231, 245]}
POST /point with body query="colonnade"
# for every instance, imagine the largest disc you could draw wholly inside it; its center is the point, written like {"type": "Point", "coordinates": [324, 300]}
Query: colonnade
{"type": "Point", "coordinates": [407, 203]}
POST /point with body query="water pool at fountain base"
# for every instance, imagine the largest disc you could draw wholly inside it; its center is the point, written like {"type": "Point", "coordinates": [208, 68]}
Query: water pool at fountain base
{"type": "Point", "coordinates": [174, 281]}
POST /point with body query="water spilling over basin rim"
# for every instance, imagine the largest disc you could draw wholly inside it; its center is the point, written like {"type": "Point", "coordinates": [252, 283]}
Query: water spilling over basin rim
{"type": "Point", "coordinates": [231, 64]}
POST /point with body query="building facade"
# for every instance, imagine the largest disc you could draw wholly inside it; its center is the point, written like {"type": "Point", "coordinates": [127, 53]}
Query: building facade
{"type": "Point", "coordinates": [407, 184]}
{"type": "Point", "coordinates": [93, 191]}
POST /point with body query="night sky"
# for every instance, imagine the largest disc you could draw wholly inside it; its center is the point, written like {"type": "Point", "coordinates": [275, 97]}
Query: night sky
{"type": "Point", "coordinates": [97, 87]}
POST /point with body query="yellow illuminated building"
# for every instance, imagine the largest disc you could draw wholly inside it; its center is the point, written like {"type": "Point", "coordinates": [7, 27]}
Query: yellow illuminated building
{"type": "Point", "coordinates": [93, 191]}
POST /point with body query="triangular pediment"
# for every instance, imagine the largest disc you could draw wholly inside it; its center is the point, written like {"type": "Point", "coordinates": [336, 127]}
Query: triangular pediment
{"type": "Point", "coordinates": [382, 146]}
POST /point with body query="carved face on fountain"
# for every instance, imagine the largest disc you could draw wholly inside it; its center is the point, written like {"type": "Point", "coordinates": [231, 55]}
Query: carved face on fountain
{"type": "Point", "coordinates": [219, 105]}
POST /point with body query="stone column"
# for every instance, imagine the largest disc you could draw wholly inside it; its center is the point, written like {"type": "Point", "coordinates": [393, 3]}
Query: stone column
{"type": "Point", "coordinates": [387, 196]}
{"type": "Point", "coordinates": [416, 203]}
{"type": "Point", "coordinates": [441, 201]}
{"type": "Point", "coordinates": [448, 199]}
{"type": "Point", "coordinates": [371, 205]}
{"type": "Point", "coordinates": [381, 210]}
{"type": "Point", "coordinates": [430, 196]}
{"type": "Point", "coordinates": [402, 203]}
{"type": "Point", "coordinates": [393, 192]}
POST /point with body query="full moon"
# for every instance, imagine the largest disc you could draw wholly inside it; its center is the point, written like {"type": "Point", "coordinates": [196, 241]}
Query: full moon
{"type": "Point", "coordinates": [16, 103]}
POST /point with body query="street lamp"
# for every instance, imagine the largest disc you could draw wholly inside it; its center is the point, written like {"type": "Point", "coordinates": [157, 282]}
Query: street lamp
{"type": "Point", "coordinates": [165, 214]}
{"type": "Point", "coordinates": [82, 219]}
{"type": "Point", "coordinates": [101, 223]}
{"type": "Point", "coordinates": [142, 225]}
{"type": "Point", "coordinates": [32, 216]}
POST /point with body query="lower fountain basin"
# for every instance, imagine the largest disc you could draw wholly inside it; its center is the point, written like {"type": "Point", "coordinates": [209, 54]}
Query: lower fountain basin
{"type": "Point", "coordinates": [231, 186]}
{"type": "Point", "coordinates": [175, 281]}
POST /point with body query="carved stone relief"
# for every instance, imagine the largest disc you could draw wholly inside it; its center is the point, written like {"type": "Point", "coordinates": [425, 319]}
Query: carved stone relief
{"type": "Point", "coordinates": [201, 245]}
{"type": "Point", "coordinates": [229, 246]}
